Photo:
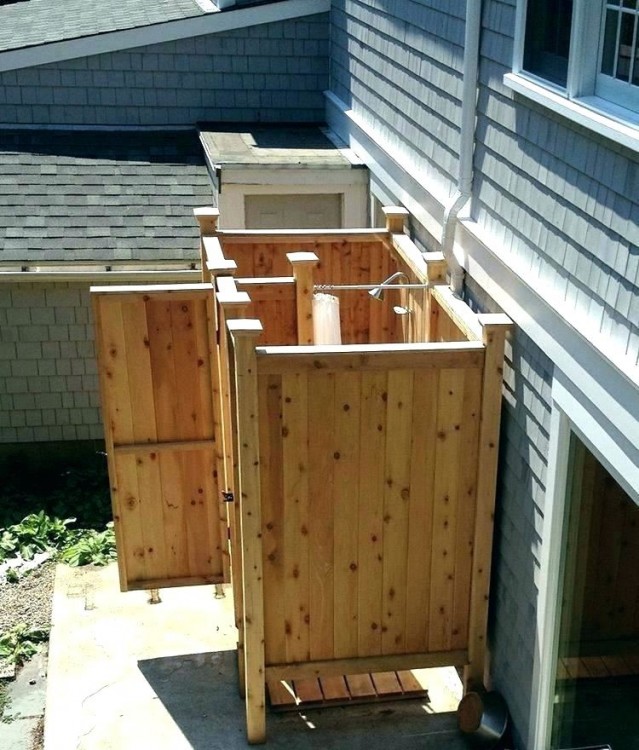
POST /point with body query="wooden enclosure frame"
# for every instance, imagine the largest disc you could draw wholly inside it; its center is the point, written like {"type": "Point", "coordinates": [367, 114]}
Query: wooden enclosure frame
{"type": "Point", "coordinates": [442, 336]}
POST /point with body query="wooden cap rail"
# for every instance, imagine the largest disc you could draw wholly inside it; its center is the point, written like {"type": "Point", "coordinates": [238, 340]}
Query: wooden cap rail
{"type": "Point", "coordinates": [359, 357]}
{"type": "Point", "coordinates": [228, 294]}
{"type": "Point", "coordinates": [214, 260]}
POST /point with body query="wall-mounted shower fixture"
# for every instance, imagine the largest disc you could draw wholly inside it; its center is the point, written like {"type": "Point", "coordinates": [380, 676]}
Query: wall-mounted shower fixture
{"type": "Point", "coordinates": [367, 287]}
{"type": "Point", "coordinates": [378, 292]}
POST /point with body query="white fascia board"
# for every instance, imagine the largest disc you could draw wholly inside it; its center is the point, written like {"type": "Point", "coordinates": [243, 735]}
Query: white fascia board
{"type": "Point", "coordinates": [210, 23]}
{"type": "Point", "coordinates": [608, 387]}
{"type": "Point", "coordinates": [409, 186]}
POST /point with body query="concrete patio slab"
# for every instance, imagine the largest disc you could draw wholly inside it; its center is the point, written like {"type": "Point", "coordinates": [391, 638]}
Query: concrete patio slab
{"type": "Point", "coordinates": [130, 675]}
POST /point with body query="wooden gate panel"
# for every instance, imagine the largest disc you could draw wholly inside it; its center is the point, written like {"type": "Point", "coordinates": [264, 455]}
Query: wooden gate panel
{"type": "Point", "coordinates": [158, 373]}
{"type": "Point", "coordinates": [368, 552]}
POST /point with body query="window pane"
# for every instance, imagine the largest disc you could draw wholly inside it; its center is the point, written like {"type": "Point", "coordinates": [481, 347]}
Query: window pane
{"type": "Point", "coordinates": [610, 43]}
{"type": "Point", "coordinates": [547, 42]}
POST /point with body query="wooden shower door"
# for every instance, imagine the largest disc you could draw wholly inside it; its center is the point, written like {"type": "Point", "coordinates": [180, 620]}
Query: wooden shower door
{"type": "Point", "coordinates": [157, 360]}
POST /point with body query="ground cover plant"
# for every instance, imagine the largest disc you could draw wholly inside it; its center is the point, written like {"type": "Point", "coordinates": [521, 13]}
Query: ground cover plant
{"type": "Point", "coordinates": [59, 512]}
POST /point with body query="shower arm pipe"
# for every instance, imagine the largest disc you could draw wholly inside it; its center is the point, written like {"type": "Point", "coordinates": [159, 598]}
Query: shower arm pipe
{"type": "Point", "coordinates": [466, 142]}
{"type": "Point", "coordinates": [366, 287]}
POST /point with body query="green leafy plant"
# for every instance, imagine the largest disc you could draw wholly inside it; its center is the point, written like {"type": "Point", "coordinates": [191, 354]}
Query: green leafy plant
{"type": "Point", "coordinates": [20, 643]}
{"type": "Point", "coordinates": [37, 532]}
{"type": "Point", "coordinates": [91, 547]}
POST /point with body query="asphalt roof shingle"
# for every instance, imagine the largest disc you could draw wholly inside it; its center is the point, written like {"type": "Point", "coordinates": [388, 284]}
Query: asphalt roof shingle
{"type": "Point", "coordinates": [26, 23]}
{"type": "Point", "coordinates": [69, 196]}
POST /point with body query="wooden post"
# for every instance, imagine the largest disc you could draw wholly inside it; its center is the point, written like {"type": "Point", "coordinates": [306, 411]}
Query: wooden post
{"type": "Point", "coordinates": [435, 274]}
{"type": "Point", "coordinates": [494, 329]}
{"type": "Point", "coordinates": [303, 264]}
{"type": "Point", "coordinates": [395, 218]}
{"type": "Point", "coordinates": [207, 218]}
{"type": "Point", "coordinates": [230, 305]}
{"type": "Point", "coordinates": [243, 334]}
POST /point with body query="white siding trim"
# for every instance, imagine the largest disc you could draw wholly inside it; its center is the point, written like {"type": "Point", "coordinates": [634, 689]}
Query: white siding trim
{"type": "Point", "coordinates": [210, 23]}
{"type": "Point", "coordinates": [549, 581]}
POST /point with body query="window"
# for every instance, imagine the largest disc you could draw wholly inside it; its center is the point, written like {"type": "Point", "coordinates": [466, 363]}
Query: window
{"type": "Point", "coordinates": [618, 73]}
{"type": "Point", "coordinates": [584, 53]}
{"type": "Point", "coordinates": [547, 43]}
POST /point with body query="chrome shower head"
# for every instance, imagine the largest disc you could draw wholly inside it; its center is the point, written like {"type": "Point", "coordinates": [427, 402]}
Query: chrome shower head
{"type": "Point", "coordinates": [378, 292]}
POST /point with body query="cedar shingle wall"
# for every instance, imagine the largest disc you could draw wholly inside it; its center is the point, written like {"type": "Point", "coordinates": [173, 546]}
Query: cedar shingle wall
{"type": "Point", "coordinates": [561, 203]}
{"type": "Point", "coordinates": [519, 513]}
{"type": "Point", "coordinates": [398, 66]}
{"type": "Point", "coordinates": [48, 381]}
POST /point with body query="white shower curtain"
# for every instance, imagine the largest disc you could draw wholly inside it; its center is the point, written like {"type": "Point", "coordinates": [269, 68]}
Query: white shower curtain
{"type": "Point", "coordinates": [326, 328]}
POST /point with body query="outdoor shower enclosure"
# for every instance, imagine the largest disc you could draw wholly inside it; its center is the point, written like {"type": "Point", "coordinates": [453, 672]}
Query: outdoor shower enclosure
{"type": "Point", "coordinates": [357, 480]}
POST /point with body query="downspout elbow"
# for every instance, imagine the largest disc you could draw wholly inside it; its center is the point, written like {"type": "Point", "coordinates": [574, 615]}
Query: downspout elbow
{"type": "Point", "coordinates": [457, 273]}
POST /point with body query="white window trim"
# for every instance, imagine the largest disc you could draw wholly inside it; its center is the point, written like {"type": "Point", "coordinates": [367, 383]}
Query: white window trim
{"type": "Point", "coordinates": [589, 112]}
{"type": "Point", "coordinates": [571, 415]}
{"type": "Point", "coordinates": [577, 102]}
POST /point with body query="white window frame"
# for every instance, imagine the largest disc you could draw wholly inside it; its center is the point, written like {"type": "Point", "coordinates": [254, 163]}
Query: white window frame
{"type": "Point", "coordinates": [572, 414]}
{"type": "Point", "coordinates": [582, 99]}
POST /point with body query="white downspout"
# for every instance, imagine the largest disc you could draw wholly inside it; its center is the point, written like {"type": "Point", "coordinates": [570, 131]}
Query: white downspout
{"type": "Point", "coordinates": [466, 142]}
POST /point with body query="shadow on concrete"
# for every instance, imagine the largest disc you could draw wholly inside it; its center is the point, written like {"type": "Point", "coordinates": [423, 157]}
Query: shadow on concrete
{"type": "Point", "coordinates": [200, 692]}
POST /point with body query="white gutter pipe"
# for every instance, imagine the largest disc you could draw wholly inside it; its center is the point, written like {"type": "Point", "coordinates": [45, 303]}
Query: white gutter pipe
{"type": "Point", "coordinates": [466, 142]}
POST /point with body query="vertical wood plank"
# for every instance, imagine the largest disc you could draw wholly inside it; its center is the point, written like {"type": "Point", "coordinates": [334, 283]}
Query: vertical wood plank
{"type": "Point", "coordinates": [273, 517]}
{"type": "Point", "coordinates": [188, 366]}
{"type": "Point", "coordinates": [176, 545]}
{"type": "Point", "coordinates": [150, 489]}
{"type": "Point", "coordinates": [420, 528]}
{"type": "Point", "coordinates": [296, 504]}
{"type": "Point", "coordinates": [448, 454]}
{"type": "Point", "coordinates": [204, 545]}
{"type": "Point", "coordinates": [321, 512]}
{"type": "Point", "coordinates": [399, 406]}
{"type": "Point", "coordinates": [160, 329]}
{"type": "Point", "coordinates": [346, 458]}
{"type": "Point", "coordinates": [115, 373]}
{"type": "Point", "coordinates": [371, 512]}
{"type": "Point", "coordinates": [376, 311]}
{"type": "Point", "coordinates": [130, 516]}
{"type": "Point", "coordinates": [467, 502]}
{"type": "Point", "coordinates": [251, 532]}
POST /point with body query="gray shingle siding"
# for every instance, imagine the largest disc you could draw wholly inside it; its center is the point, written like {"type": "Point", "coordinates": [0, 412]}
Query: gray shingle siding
{"type": "Point", "coordinates": [525, 428]}
{"type": "Point", "coordinates": [399, 68]}
{"type": "Point", "coordinates": [520, 506]}
{"type": "Point", "coordinates": [48, 377]}
{"type": "Point", "coordinates": [560, 200]}
{"type": "Point", "coordinates": [268, 73]}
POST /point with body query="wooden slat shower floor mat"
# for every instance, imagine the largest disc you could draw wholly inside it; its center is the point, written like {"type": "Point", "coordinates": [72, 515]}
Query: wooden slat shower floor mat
{"type": "Point", "coordinates": [321, 692]}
